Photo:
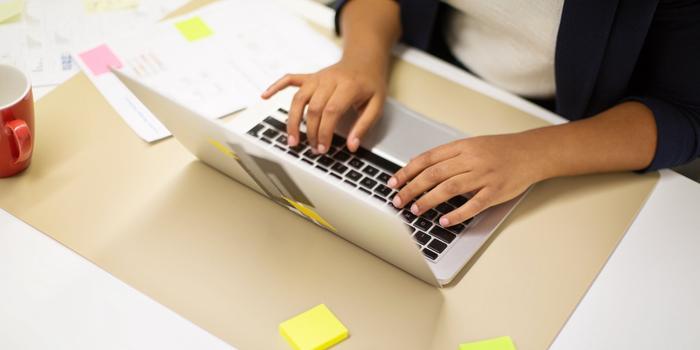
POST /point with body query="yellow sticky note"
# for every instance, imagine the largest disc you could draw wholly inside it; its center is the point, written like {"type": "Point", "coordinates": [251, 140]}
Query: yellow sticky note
{"type": "Point", "coordinates": [502, 343]}
{"type": "Point", "coordinates": [10, 9]}
{"type": "Point", "coordinates": [194, 29]}
{"type": "Point", "coordinates": [109, 5]}
{"type": "Point", "coordinates": [316, 329]}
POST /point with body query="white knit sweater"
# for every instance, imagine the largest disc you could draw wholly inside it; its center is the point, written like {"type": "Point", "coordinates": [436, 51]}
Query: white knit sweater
{"type": "Point", "coordinates": [509, 43]}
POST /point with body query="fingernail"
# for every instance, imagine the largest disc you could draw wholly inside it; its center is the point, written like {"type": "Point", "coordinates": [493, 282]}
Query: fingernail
{"type": "Point", "coordinates": [396, 201]}
{"type": "Point", "coordinates": [355, 143]}
{"type": "Point", "coordinates": [392, 182]}
{"type": "Point", "coordinates": [321, 149]}
{"type": "Point", "coordinates": [292, 141]}
{"type": "Point", "coordinates": [414, 209]}
{"type": "Point", "coordinates": [444, 221]}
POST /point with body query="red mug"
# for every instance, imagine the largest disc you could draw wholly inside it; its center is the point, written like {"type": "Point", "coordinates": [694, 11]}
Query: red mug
{"type": "Point", "coordinates": [16, 121]}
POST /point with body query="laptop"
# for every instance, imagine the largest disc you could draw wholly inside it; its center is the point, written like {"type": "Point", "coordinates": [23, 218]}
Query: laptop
{"type": "Point", "coordinates": [342, 192]}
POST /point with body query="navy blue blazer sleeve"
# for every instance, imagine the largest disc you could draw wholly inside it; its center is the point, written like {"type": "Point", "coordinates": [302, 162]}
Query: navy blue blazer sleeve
{"type": "Point", "coordinates": [418, 19]}
{"type": "Point", "coordinates": [667, 81]}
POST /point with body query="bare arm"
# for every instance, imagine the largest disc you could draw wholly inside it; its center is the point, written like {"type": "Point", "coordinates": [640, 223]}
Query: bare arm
{"type": "Point", "coordinates": [498, 168]}
{"type": "Point", "coordinates": [370, 29]}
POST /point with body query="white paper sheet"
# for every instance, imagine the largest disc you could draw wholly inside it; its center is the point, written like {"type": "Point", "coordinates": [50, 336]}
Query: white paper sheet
{"type": "Point", "coordinates": [41, 40]}
{"type": "Point", "coordinates": [250, 45]}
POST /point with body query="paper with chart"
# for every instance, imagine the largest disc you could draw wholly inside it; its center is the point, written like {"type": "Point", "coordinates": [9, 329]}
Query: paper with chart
{"type": "Point", "coordinates": [215, 61]}
{"type": "Point", "coordinates": [42, 37]}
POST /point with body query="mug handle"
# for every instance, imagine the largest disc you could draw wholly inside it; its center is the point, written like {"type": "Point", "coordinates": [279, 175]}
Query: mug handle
{"type": "Point", "coordinates": [22, 137]}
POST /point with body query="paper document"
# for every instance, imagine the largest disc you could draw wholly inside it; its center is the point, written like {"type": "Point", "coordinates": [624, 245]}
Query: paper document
{"type": "Point", "coordinates": [41, 39]}
{"type": "Point", "coordinates": [216, 60]}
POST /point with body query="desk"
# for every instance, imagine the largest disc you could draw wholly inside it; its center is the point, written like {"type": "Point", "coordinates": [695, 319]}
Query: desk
{"type": "Point", "coordinates": [425, 318]}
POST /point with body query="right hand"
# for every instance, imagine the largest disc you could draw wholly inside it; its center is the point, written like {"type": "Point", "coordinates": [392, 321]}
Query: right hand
{"type": "Point", "coordinates": [329, 94]}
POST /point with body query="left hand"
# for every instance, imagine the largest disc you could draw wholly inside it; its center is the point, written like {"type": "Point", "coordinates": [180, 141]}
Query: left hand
{"type": "Point", "coordinates": [494, 169]}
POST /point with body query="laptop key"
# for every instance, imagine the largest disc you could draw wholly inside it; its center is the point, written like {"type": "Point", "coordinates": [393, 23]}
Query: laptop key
{"type": "Point", "coordinates": [423, 224]}
{"type": "Point", "coordinates": [370, 170]}
{"type": "Point", "coordinates": [353, 175]}
{"type": "Point", "coordinates": [271, 133]}
{"type": "Point", "coordinates": [430, 254]}
{"type": "Point", "coordinates": [422, 237]}
{"type": "Point", "coordinates": [379, 198]}
{"type": "Point", "coordinates": [325, 161]}
{"type": "Point", "coordinates": [356, 163]}
{"type": "Point", "coordinates": [276, 124]}
{"type": "Point", "coordinates": [339, 168]}
{"type": "Point", "coordinates": [298, 148]}
{"type": "Point", "coordinates": [437, 246]}
{"type": "Point", "coordinates": [444, 208]}
{"type": "Point", "coordinates": [336, 176]}
{"type": "Point", "coordinates": [293, 154]}
{"type": "Point", "coordinates": [341, 156]}
{"type": "Point", "coordinates": [430, 214]}
{"type": "Point", "coordinates": [364, 190]}
{"type": "Point", "coordinates": [255, 130]}
{"type": "Point", "coordinates": [383, 190]}
{"type": "Point", "coordinates": [280, 148]}
{"type": "Point", "coordinates": [322, 168]}
{"type": "Point", "coordinates": [282, 139]}
{"type": "Point", "coordinates": [443, 234]}
{"type": "Point", "coordinates": [311, 155]}
{"type": "Point", "coordinates": [457, 201]}
{"type": "Point", "coordinates": [408, 216]}
{"type": "Point", "coordinates": [384, 177]}
{"type": "Point", "coordinates": [456, 228]}
{"type": "Point", "coordinates": [282, 110]}
{"type": "Point", "coordinates": [350, 183]}
{"type": "Point", "coordinates": [338, 141]}
{"type": "Point", "coordinates": [307, 161]}
{"type": "Point", "coordinates": [266, 140]}
{"type": "Point", "coordinates": [369, 183]}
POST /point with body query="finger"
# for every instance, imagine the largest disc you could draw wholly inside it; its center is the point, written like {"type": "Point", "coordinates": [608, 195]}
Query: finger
{"type": "Point", "coordinates": [341, 101]}
{"type": "Point", "coordinates": [480, 202]}
{"type": "Point", "coordinates": [284, 82]}
{"type": "Point", "coordinates": [368, 117]}
{"type": "Point", "coordinates": [418, 164]}
{"type": "Point", "coordinates": [314, 112]}
{"type": "Point", "coordinates": [427, 179]}
{"type": "Point", "coordinates": [296, 111]}
{"type": "Point", "coordinates": [455, 186]}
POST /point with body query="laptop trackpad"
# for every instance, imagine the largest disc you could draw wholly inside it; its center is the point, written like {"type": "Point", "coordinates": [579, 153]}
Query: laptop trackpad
{"type": "Point", "coordinates": [401, 133]}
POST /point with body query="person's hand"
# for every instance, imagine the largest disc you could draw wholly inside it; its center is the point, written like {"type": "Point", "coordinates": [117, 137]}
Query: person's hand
{"type": "Point", "coordinates": [329, 94]}
{"type": "Point", "coordinates": [494, 169]}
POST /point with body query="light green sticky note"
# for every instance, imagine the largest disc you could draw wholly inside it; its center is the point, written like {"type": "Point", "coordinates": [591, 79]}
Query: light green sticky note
{"type": "Point", "coordinates": [10, 9]}
{"type": "Point", "coordinates": [502, 343]}
{"type": "Point", "coordinates": [194, 29]}
{"type": "Point", "coordinates": [316, 329]}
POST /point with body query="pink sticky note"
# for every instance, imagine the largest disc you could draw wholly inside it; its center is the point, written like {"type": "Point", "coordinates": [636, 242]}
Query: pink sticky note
{"type": "Point", "coordinates": [100, 59]}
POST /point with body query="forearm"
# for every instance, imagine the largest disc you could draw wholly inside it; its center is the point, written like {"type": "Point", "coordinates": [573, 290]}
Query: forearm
{"type": "Point", "coordinates": [619, 139]}
{"type": "Point", "coordinates": [370, 29]}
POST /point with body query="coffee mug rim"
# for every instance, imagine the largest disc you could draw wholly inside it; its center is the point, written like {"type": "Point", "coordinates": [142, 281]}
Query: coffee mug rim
{"type": "Point", "coordinates": [27, 86]}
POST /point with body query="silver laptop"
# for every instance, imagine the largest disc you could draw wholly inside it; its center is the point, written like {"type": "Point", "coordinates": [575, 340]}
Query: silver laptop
{"type": "Point", "coordinates": [342, 192]}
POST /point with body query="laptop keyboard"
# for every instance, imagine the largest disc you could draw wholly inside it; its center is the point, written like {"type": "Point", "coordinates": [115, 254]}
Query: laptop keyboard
{"type": "Point", "coordinates": [368, 173]}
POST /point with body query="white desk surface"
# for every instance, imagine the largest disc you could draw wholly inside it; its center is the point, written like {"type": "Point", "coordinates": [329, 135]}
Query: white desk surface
{"type": "Point", "coordinates": [643, 298]}
{"type": "Point", "coordinates": [51, 298]}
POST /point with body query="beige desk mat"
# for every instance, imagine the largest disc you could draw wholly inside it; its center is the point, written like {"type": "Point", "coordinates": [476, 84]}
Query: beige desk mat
{"type": "Point", "coordinates": [237, 265]}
